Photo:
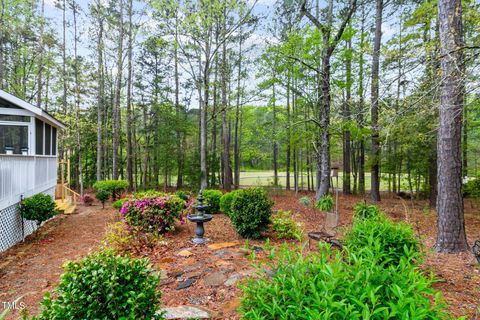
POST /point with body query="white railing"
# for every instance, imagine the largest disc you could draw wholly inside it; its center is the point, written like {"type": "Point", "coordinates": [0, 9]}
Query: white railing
{"type": "Point", "coordinates": [25, 176]}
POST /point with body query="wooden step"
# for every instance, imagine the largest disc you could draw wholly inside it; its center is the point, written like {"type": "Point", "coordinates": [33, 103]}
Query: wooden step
{"type": "Point", "coordinates": [70, 209]}
{"type": "Point", "coordinates": [61, 204]}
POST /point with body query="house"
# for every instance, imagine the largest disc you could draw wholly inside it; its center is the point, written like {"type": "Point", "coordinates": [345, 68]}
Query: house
{"type": "Point", "coordinates": [28, 162]}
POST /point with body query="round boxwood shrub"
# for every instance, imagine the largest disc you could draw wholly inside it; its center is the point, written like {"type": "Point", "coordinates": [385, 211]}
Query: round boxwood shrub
{"type": "Point", "coordinates": [153, 215]}
{"type": "Point", "coordinates": [112, 186]}
{"type": "Point", "coordinates": [212, 198]}
{"type": "Point", "coordinates": [118, 204]}
{"type": "Point", "coordinates": [226, 202]}
{"type": "Point", "coordinates": [105, 286]}
{"type": "Point", "coordinates": [184, 195]}
{"type": "Point", "coordinates": [39, 208]}
{"type": "Point", "coordinates": [102, 196]}
{"type": "Point", "coordinates": [251, 211]}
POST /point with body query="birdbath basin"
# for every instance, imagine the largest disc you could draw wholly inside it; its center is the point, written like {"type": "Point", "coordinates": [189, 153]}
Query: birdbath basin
{"type": "Point", "coordinates": [200, 217]}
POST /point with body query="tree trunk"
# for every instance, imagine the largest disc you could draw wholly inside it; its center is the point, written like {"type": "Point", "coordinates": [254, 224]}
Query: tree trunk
{"type": "Point", "coordinates": [100, 97]}
{"type": "Point", "coordinates": [77, 98]}
{"type": "Point", "coordinates": [129, 99]}
{"type": "Point", "coordinates": [179, 131]}
{"type": "Point", "coordinates": [346, 116]}
{"type": "Point", "coordinates": [227, 169]}
{"type": "Point", "coordinates": [451, 225]}
{"type": "Point", "coordinates": [375, 168]}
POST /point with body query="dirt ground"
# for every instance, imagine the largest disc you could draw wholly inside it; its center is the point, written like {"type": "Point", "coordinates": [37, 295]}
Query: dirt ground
{"type": "Point", "coordinates": [206, 276]}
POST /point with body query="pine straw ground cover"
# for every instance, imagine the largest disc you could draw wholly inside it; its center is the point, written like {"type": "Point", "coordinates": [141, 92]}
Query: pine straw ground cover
{"type": "Point", "coordinates": [179, 260]}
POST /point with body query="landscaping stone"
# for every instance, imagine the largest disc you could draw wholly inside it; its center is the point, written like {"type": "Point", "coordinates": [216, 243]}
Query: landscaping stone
{"type": "Point", "coordinates": [202, 300]}
{"type": "Point", "coordinates": [192, 275]}
{"type": "Point", "coordinates": [222, 245]}
{"type": "Point", "coordinates": [222, 253]}
{"type": "Point", "coordinates": [184, 253]}
{"type": "Point", "coordinates": [186, 312]}
{"type": "Point", "coordinates": [232, 279]}
{"type": "Point", "coordinates": [215, 279]}
{"type": "Point", "coordinates": [185, 284]}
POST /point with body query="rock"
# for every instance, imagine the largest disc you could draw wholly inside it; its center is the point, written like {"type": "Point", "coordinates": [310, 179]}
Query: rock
{"type": "Point", "coordinates": [192, 275]}
{"type": "Point", "coordinates": [163, 274]}
{"type": "Point", "coordinates": [202, 300]}
{"type": "Point", "coordinates": [194, 266]}
{"type": "Point", "coordinates": [215, 279]}
{"type": "Point", "coordinates": [222, 253]}
{"type": "Point", "coordinates": [184, 253]}
{"type": "Point", "coordinates": [176, 274]}
{"type": "Point", "coordinates": [185, 284]}
{"type": "Point", "coordinates": [232, 279]}
{"type": "Point", "coordinates": [244, 251]}
{"type": "Point", "coordinates": [166, 281]}
{"type": "Point", "coordinates": [222, 245]}
{"type": "Point", "coordinates": [185, 312]}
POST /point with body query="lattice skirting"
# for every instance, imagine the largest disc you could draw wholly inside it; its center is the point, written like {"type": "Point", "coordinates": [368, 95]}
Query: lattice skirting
{"type": "Point", "coordinates": [13, 228]}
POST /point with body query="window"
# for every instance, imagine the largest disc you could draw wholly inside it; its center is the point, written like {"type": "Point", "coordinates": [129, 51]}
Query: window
{"type": "Point", "coordinates": [54, 141]}
{"type": "Point", "coordinates": [7, 117]}
{"type": "Point", "coordinates": [13, 139]}
{"type": "Point", "coordinates": [38, 137]}
{"type": "Point", "coordinates": [48, 139]}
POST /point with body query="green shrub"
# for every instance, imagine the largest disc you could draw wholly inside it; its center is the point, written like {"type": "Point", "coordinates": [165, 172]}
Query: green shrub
{"type": "Point", "coordinates": [362, 210]}
{"type": "Point", "coordinates": [284, 226]}
{"type": "Point", "coordinates": [471, 189]}
{"type": "Point", "coordinates": [39, 208]}
{"type": "Point", "coordinates": [251, 210]}
{"type": "Point", "coordinates": [118, 204]}
{"type": "Point", "coordinates": [338, 285]}
{"type": "Point", "coordinates": [102, 196]}
{"type": "Point", "coordinates": [226, 202]}
{"type": "Point", "coordinates": [212, 198]}
{"type": "Point", "coordinates": [305, 201]}
{"type": "Point", "coordinates": [153, 215]}
{"type": "Point", "coordinates": [148, 194]}
{"type": "Point", "coordinates": [184, 195]}
{"type": "Point", "coordinates": [104, 286]}
{"type": "Point", "coordinates": [325, 203]}
{"type": "Point", "coordinates": [392, 241]}
{"type": "Point", "coordinates": [112, 186]}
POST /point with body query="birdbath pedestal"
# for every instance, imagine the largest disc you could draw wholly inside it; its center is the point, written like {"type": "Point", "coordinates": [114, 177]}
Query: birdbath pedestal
{"type": "Point", "coordinates": [199, 217]}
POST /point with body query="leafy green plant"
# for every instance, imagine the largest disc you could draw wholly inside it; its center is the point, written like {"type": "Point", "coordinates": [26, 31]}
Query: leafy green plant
{"type": "Point", "coordinates": [391, 241]}
{"type": "Point", "coordinates": [362, 210]}
{"type": "Point", "coordinates": [184, 195]}
{"type": "Point", "coordinates": [112, 186]}
{"type": "Point", "coordinates": [251, 211]}
{"type": "Point", "coordinates": [285, 226]}
{"type": "Point", "coordinates": [305, 201]}
{"type": "Point", "coordinates": [338, 285]}
{"type": "Point", "coordinates": [325, 203]}
{"type": "Point", "coordinates": [153, 215]}
{"type": "Point", "coordinates": [226, 202]}
{"type": "Point", "coordinates": [471, 189]}
{"type": "Point", "coordinates": [39, 208]}
{"type": "Point", "coordinates": [104, 286]}
{"type": "Point", "coordinates": [102, 196]}
{"type": "Point", "coordinates": [212, 198]}
{"type": "Point", "coordinates": [122, 239]}
{"type": "Point", "coordinates": [148, 194]}
{"type": "Point", "coordinates": [118, 204]}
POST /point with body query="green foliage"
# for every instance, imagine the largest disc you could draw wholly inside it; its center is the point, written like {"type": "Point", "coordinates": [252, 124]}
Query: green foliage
{"type": "Point", "coordinates": [305, 201]}
{"type": "Point", "coordinates": [112, 186]}
{"type": "Point", "coordinates": [339, 285]}
{"type": "Point", "coordinates": [148, 194]}
{"type": "Point", "coordinates": [122, 239]}
{"type": "Point", "coordinates": [212, 198]}
{"type": "Point", "coordinates": [285, 226]}
{"type": "Point", "coordinates": [226, 202]}
{"type": "Point", "coordinates": [39, 208]}
{"type": "Point", "coordinates": [362, 210]}
{"type": "Point", "coordinates": [102, 196]}
{"type": "Point", "coordinates": [471, 189]}
{"type": "Point", "coordinates": [392, 241]}
{"type": "Point", "coordinates": [118, 204]}
{"type": "Point", "coordinates": [184, 195]}
{"type": "Point", "coordinates": [156, 215]}
{"type": "Point", "coordinates": [251, 211]}
{"type": "Point", "coordinates": [105, 286]}
{"type": "Point", "coordinates": [325, 203]}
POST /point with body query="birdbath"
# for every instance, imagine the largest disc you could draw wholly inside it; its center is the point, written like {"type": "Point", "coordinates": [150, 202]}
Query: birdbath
{"type": "Point", "coordinates": [199, 217]}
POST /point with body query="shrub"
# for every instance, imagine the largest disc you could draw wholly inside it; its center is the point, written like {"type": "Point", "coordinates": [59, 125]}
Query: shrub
{"type": "Point", "coordinates": [226, 202]}
{"type": "Point", "coordinates": [104, 286]}
{"type": "Point", "coordinates": [212, 198]}
{"type": "Point", "coordinates": [112, 186]}
{"type": "Point", "coordinates": [184, 195]}
{"type": "Point", "coordinates": [87, 199]}
{"type": "Point", "coordinates": [39, 208]}
{"type": "Point", "coordinates": [362, 210]}
{"type": "Point", "coordinates": [305, 201]}
{"type": "Point", "coordinates": [389, 240]}
{"type": "Point", "coordinates": [471, 189]}
{"type": "Point", "coordinates": [338, 285]}
{"type": "Point", "coordinates": [102, 196]}
{"type": "Point", "coordinates": [153, 215]}
{"type": "Point", "coordinates": [251, 210]}
{"type": "Point", "coordinates": [122, 240]}
{"type": "Point", "coordinates": [285, 227]}
{"type": "Point", "coordinates": [325, 203]}
{"type": "Point", "coordinates": [118, 204]}
{"type": "Point", "coordinates": [148, 194]}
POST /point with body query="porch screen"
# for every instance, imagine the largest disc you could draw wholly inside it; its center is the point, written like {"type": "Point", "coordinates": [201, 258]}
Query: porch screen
{"type": "Point", "coordinates": [13, 138]}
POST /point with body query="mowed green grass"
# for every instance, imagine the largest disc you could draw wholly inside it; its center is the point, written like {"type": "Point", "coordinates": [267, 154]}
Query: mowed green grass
{"type": "Point", "coordinates": [265, 178]}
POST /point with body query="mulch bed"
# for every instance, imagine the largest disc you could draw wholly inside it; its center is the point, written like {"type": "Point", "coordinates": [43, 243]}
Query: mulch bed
{"type": "Point", "coordinates": [209, 274]}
